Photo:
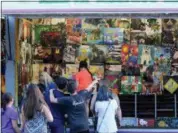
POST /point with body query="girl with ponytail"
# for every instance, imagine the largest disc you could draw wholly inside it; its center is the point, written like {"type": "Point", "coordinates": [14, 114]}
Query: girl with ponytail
{"type": "Point", "coordinates": [83, 79]}
{"type": "Point", "coordinates": [84, 76]}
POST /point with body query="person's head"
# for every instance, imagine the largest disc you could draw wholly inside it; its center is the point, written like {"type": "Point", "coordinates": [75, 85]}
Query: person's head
{"type": "Point", "coordinates": [103, 94]}
{"type": "Point", "coordinates": [83, 64]}
{"type": "Point", "coordinates": [104, 82]}
{"type": "Point", "coordinates": [72, 86]}
{"type": "Point", "coordinates": [61, 82]}
{"type": "Point", "coordinates": [33, 102]}
{"type": "Point", "coordinates": [45, 78]}
{"type": "Point", "coordinates": [7, 99]}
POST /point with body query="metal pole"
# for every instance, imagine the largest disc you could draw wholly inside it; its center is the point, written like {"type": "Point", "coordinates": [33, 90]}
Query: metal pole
{"type": "Point", "coordinates": [155, 106]}
{"type": "Point", "coordinates": [135, 105]}
{"type": "Point", "coordinates": [175, 105]}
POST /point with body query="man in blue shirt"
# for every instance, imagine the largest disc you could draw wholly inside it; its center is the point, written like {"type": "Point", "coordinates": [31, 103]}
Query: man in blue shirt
{"type": "Point", "coordinates": [75, 106]}
{"type": "Point", "coordinates": [57, 126]}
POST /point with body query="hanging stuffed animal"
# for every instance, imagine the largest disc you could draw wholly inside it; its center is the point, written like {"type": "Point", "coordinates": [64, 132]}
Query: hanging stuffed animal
{"type": "Point", "coordinates": [25, 52]}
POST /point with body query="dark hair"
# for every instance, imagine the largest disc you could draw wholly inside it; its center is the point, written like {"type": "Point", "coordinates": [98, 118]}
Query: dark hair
{"type": "Point", "coordinates": [61, 82]}
{"type": "Point", "coordinates": [33, 101]}
{"type": "Point", "coordinates": [84, 64]}
{"type": "Point", "coordinates": [72, 85]}
{"type": "Point", "coordinates": [6, 98]}
{"type": "Point", "coordinates": [103, 94]}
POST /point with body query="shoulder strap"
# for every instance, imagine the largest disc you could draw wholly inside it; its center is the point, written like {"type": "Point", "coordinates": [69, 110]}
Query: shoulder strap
{"type": "Point", "coordinates": [104, 115]}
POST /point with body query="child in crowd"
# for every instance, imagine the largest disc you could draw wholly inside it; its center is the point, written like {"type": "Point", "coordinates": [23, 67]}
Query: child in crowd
{"type": "Point", "coordinates": [75, 106]}
{"type": "Point", "coordinates": [83, 77]}
{"type": "Point", "coordinates": [9, 115]}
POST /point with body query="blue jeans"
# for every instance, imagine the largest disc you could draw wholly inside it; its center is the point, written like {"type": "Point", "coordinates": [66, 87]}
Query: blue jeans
{"type": "Point", "coordinates": [59, 129]}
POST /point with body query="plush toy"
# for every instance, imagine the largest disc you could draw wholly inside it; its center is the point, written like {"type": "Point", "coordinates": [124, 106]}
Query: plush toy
{"type": "Point", "coordinates": [25, 52]}
{"type": "Point", "coordinates": [143, 122]}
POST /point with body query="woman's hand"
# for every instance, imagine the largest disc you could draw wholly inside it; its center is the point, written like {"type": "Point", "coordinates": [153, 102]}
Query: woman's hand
{"type": "Point", "coordinates": [92, 84]}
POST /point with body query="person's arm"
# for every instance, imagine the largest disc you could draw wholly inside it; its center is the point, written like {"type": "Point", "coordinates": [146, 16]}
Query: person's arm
{"type": "Point", "coordinates": [96, 108]}
{"type": "Point", "coordinates": [22, 118]}
{"type": "Point", "coordinates": [13, 115]}
{"type": "Point", "coordinates": [93, 100]}
{"type": "Point", "coordinates": [119, 113]}
{"type": "Point", "coordinates": [51, 96]}
{"type": "Point", "coordinates": [89, 88]}
{"type": "Point", "coordinates": [15, 126]}
{"type": "Point", "coordinates": [62, 101]}
{"type": "Point", "coordinates": [47, 113]}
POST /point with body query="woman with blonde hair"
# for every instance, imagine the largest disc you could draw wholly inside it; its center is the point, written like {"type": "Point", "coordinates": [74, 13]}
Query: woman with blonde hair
{"type": "Point", "coordinates": [47, 81]}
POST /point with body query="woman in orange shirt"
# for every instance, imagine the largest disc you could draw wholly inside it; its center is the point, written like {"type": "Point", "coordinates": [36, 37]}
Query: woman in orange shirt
{"type": "Point", "coordinates": [83, 77]}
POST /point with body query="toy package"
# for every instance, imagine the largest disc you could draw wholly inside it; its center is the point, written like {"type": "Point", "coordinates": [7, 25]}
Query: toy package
{"type": "Point", "coordinates": [114, 54]}
{"type": "Point", "coordinates": [169, 32]}
{"type": "Point", "coordinates": [146, 55]}
{"type": "Point", "coordinates": [153, 31]}
{"type": "Point", "coordinates": [70, 70]}
{"type": "Point", "coordinates": [112, 73]}
{"type": "Point", "coordinates": [129, 54]}
{"type": "Point", "coordinates": [162, 58]}
{"type": "Point", "coordinates": [131, 84]}
{"type": "Point", "coordinates": [98, 54]}
{"type": "Point", "coordinates": [97, 70]}
{"type": "Point", "coordinates": [74, 30]}
{"type": "Point", "coordinates": [69, 53]}
{"type": "Point", "coordinates": [129, 122]}
{"type": "Point", "coordinates": [113, 36]}
{"type": "Point", "coordinates": [83, 53]}
{"type": "Point", "coordinates": [92, 31]}
{"type": "Point", "coordinates": [146, 123]}
{"type": "Point", "coordinates": [47, 55]}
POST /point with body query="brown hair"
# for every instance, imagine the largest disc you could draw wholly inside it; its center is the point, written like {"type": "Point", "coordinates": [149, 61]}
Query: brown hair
{"type": "Point", "coordinates": [33, 101]}
{"type": "Point", "coordinates": [6, 98]}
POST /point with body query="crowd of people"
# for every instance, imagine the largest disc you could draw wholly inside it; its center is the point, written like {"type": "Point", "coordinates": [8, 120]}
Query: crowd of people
{"type": "Point", "coordinates": [46, 107]}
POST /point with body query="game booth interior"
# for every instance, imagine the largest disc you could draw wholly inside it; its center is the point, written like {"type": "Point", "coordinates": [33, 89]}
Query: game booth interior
{"type": "Point", "coordinates": [137, 53]}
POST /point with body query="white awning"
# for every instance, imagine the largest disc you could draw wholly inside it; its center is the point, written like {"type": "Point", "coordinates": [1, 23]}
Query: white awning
{"type": "Point", "coordinates": [92, 6]}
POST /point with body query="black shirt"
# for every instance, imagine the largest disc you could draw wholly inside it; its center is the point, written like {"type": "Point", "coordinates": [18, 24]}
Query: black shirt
{"type": "Point", "coordinates": [75, 107]}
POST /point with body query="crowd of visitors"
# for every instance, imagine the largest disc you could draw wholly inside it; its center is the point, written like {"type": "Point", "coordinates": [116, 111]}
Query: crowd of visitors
{"type": "Point", "coordinates": [47, 108]}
